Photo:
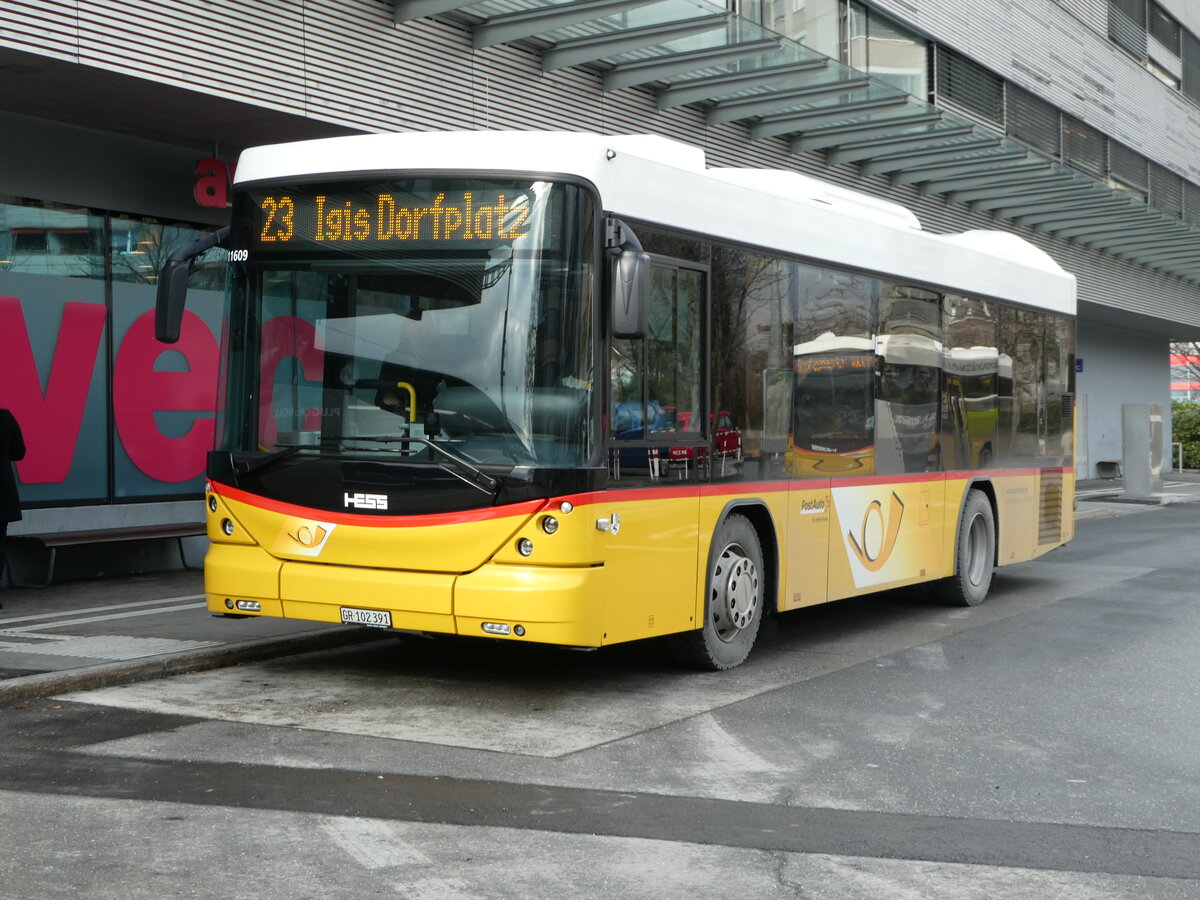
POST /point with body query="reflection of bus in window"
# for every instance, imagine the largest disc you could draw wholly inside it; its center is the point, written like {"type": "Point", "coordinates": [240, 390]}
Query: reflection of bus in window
{"type": "Point", "coordinates": [832, 407]}
{"type": "Point", "coordinates": [978, 385]}
{"type": "Point", "coordinates": [906, 408]}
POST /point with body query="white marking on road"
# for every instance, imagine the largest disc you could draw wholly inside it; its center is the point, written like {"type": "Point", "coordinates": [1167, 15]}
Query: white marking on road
{"type": "Point", "coordinates": [725, 753]}
{"type": "Point", "coordinates": [110, 647]}
{"type": "Point", "coordinates": [931, 657]}
{"type": "Point", "coordinates": [98, 609]}
{"type": "Point", "coordinates": [84, 621]}
{"type": "Point", "coordinates": [373, 843]}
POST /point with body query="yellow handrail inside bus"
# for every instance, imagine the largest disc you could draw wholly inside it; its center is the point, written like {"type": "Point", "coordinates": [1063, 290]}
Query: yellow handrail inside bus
{"type": "Point", "coordinates": [412, 399]}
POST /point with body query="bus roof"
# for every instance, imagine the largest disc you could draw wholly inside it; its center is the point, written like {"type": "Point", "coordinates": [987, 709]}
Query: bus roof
{"type": "Point", "coordinates": [662, 181]}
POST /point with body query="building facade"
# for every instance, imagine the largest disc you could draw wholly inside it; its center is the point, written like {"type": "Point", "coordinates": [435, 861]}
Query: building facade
{"type": "Point", "coordinates": [1073, 123]}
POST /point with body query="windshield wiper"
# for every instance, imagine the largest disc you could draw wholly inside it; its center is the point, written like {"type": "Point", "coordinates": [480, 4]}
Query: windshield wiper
{"type": "Point", "coordinates": [245, 467]}
{"type": "Point", "coordinates": [458, 467]}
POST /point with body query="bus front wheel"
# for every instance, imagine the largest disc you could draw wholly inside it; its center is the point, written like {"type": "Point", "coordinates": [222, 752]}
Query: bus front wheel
{"type": "Point", "coordinates": [733, 600]}
{"type": "Point", "coordinates": [974, 554]}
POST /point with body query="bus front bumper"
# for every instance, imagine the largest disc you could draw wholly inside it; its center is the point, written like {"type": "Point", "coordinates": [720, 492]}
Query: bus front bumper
{"type": "Point", "coordinates": [545, 604]}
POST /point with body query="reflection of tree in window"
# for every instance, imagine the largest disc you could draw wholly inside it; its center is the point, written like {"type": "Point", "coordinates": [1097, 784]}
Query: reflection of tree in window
{"type": "Point", "coordinates": [673, 347]}
{"type": "Point", "coordinates": [833, 302]}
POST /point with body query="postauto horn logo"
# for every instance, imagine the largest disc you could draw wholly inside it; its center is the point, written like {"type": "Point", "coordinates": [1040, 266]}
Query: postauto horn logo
{"type": "Point", "coordinates": [871, 529]}
{"type": "Point", "coordinates": [866, 546]}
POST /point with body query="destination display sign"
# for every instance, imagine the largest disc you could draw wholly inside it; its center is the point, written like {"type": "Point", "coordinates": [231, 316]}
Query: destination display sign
{"type": "Point", "coordinates": [808, 365]}
{"type": "Point", "coordinates": [380, 219]}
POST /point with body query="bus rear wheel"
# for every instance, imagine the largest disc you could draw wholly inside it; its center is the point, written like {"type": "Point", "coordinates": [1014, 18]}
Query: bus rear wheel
{"type": "Point", "coordinates": [974, 554]}
{"type": "Point", "coordinates": [733, 599]}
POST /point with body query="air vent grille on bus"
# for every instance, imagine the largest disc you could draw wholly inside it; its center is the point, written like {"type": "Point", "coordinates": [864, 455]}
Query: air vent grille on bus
{"type": "Point", "coordinates": [1068, 406]}
{"type": "Point", "coordinates": [1050, 516]}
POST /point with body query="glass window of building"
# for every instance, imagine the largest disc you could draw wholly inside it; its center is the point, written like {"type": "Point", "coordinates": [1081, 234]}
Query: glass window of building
{"type": "Point", "coordinates": [884, 49]}
{"type": "Point", "coordinates": [816, 24]}
{"type": "Point", "coordinates": [855, 35]}
{"type": "Point", "coordinates": [108, 412]}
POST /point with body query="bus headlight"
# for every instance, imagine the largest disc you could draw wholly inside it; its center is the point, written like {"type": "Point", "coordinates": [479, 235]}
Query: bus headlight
{"type": "Point", "coordinates": [525, 547]}
{"type": "Point", "coordinates": [549, 524]}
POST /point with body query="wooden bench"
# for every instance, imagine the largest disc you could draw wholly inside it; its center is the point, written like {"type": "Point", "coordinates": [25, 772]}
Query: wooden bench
{"type": "Point", "coordinates": [54, 539]}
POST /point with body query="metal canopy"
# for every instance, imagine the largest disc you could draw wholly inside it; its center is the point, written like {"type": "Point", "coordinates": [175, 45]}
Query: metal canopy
{"type": "Point", "coordinates": [710, 87]}
{"type": "Point", "coordinates": [643, 71]}
{"type": "Point", "coordinates": [739, 74]}
{"type": "Point", "coordinates": [525, 23]}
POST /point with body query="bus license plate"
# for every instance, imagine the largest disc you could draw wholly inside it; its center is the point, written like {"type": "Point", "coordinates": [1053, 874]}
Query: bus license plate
{"type": "Point", "coordinates": [372, 618]}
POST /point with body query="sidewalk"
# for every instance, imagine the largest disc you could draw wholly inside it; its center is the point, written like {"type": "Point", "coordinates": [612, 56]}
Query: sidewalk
{"type": "Point", "coordinates": [1098, 497]}
{"type": "Point", "coordinates": [85, 634]}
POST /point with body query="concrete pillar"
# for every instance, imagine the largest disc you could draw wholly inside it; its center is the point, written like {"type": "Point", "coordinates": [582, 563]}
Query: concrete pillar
{"type": "Point", "coordinates": [1143, 446]}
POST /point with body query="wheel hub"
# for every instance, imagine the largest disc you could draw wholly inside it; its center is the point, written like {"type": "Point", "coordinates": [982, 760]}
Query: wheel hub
{"type": "Point", "coordinates": [735, 592]}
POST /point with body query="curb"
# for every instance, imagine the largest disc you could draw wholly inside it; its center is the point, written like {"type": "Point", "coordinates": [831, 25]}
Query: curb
{"type": "Point", "coordinates": [46, 684]}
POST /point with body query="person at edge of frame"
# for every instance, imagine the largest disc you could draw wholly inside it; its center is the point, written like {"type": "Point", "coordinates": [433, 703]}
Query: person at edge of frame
{"type": "Point", "coordinates": [12, 449]}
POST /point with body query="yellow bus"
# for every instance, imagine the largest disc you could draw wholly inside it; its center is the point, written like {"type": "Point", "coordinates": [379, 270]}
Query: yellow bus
{"type": "Point", "coordinates": [438, 348]}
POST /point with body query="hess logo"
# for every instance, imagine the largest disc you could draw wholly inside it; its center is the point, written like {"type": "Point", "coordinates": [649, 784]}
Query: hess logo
{"type": "Point", "coordinates": [366, 501]}
{"type": "Point", "coordinates": [876, 539]}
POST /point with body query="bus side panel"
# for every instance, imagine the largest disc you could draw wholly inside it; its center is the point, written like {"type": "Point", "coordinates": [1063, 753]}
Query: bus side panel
{"type": "Point", "coordinates": [714, 506]}
{"type": "Point", "coordinates": [650, 563]}
{"type": "Point", "coordinates": [1035, 513]}
{"type": "Point", "coordinates": [886, 534]}
{"type": "Point", "coordinates": [1068, 531]}
{"type": "Point", "coordinates": [1017, 517]}
{"type": "Point", "coordinates": [810, 510]}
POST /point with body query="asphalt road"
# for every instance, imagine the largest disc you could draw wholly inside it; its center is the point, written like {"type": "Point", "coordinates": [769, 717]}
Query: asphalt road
{"type": "Point", "coordinates": [1041, 745]}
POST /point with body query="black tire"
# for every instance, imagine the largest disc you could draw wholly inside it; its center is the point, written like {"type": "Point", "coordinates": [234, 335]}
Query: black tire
{"type": "Point", "coordinates": [974, 554]}
{"type": "Point", "coordinates": [733, 599]}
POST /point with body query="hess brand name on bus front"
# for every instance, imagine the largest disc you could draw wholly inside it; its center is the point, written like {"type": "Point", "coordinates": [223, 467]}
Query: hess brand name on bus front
{"type": "Point", "coordinates": [366, 501]}
{"type": "Point", "coordinates": [465, 217]}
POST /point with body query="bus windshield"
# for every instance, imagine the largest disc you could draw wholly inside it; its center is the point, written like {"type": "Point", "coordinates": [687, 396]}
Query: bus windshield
{"type": "Point", "coordinates": [398, 314]}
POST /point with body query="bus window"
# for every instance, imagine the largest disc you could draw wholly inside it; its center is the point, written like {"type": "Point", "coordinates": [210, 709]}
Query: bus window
{"type": "Point", "coordinates": [833, 415]}
{"type": "Point", "coordinates": [1022, 337]}
{"type": "Point", "coordinates": [656, 382]}
{"type": "Point", "coordinates": [907, 405]}
{"type": "Point", "coordinates": [972, 368]}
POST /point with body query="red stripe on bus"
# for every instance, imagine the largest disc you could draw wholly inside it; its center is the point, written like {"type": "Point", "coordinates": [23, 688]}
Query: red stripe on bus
{"type": "Point", "coordinates": [339, 518]}
{"type": "Point", "coordinates": [733, 489]}
{"type": "Point", "coordinates": [615, 495]}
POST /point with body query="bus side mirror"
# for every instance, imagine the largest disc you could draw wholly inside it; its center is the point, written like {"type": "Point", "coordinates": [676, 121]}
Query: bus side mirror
{"type": "Point", "coordinates": [172, 285]}
{"type": "Point", "coordinates": [631, 293]}
{"type": "Point", "coordinates": [168, 307]}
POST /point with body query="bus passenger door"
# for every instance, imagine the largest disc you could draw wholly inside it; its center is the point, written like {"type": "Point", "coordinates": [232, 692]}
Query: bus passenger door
{"type": "Point", "coordinates": [657, 447]}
